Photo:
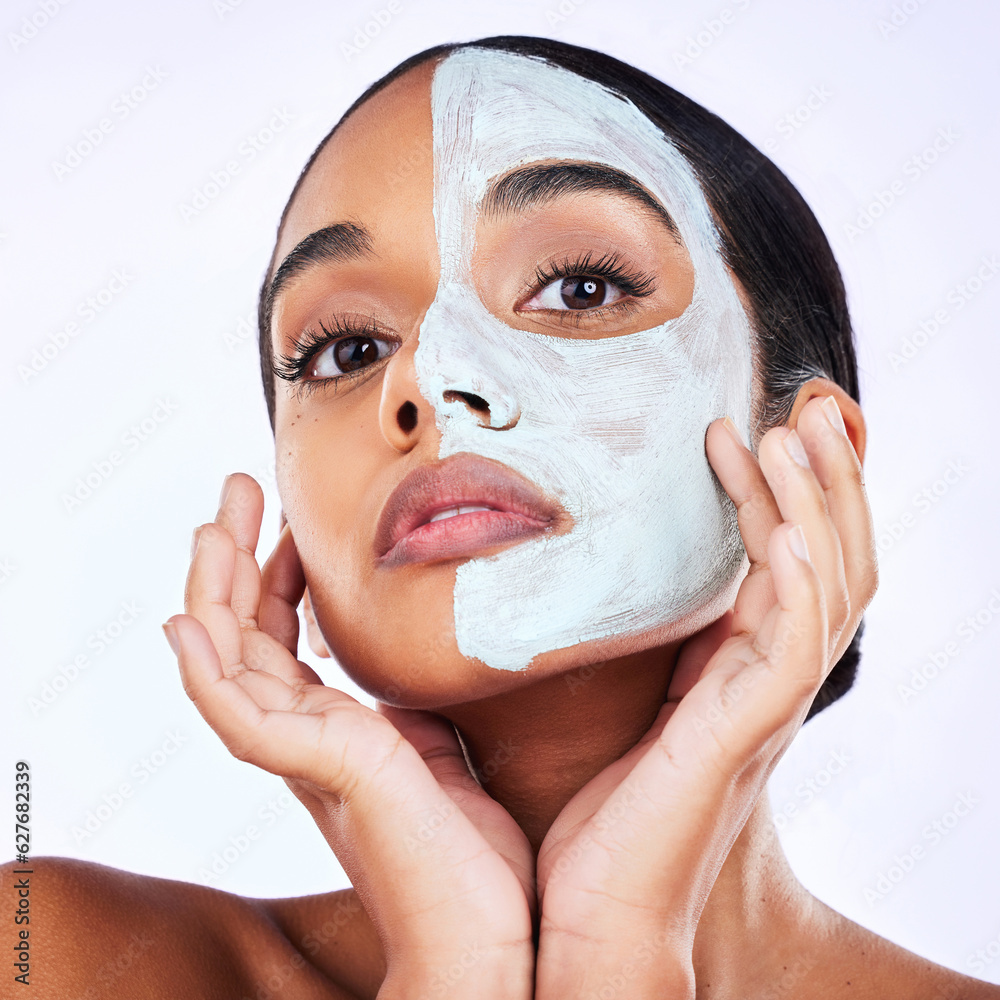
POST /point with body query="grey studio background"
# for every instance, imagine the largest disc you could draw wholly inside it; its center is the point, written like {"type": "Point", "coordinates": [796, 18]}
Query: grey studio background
{"type": "Point", "coordinates": [148, 152]}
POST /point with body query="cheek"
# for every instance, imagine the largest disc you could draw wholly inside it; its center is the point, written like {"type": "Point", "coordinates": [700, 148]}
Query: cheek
{"type": "Point", "coordinates": [391, 631]}
{"type": "Point", "coordinates": [321, 484]}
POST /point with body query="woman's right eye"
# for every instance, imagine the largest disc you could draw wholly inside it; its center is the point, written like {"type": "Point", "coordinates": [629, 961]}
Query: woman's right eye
{"type": "Point", "coordinates": [348, 355]}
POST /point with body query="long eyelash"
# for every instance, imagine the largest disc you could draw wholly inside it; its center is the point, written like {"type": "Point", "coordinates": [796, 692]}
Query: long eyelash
{"type": "Point", "coordinates": [609, 267]}
{"type": "Point", "coordinates": [294, 367]}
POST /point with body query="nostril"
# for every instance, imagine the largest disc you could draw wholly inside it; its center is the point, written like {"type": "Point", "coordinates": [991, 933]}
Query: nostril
{"type": "Point", "coordinates": [473, 401]}
{"type": "Point", "coordinates": [406, 417]}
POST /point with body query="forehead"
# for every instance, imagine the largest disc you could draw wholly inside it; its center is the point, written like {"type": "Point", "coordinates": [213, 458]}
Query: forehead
{"type": "Point", "coordinates": [451, 125]}
{"type": "Point", "coordinates": [379, 153]}
{"type": "Point", "coordinates": [494, 110]}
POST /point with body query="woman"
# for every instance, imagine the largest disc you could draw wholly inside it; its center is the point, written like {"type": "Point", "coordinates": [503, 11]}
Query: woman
{"type": "Point", "coordinates": [513, 297]}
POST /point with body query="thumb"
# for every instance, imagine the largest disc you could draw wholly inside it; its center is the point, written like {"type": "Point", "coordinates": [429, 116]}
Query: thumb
{"type": "Point", "coordinates": [435, 739]}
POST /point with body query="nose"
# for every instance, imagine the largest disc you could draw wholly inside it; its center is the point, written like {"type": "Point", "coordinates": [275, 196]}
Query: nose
{"type": "Point", "coordinates": [465, 366]}
{"type": "Point", "coordinates": [500, 416]}
{"type": "Point", "coordinates": [403, 412]}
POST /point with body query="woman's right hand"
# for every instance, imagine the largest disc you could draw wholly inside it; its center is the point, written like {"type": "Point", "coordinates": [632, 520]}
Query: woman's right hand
{"type": "Point", "coordinates": [443, 871]}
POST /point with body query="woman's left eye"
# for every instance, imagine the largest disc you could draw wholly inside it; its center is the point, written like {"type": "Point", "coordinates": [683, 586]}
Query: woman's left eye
{"type": "Point", "coordinates": [578, 291]}
{"type": "Point", "coordinates": [350, 354]}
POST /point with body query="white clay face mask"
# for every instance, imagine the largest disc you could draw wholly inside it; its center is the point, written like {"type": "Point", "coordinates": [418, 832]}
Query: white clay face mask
{"type": "Point", "coordinates": [613, 428]}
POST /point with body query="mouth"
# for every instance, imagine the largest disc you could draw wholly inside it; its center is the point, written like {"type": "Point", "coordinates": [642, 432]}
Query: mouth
{"type": "Point", "coordinates": [459, 508]}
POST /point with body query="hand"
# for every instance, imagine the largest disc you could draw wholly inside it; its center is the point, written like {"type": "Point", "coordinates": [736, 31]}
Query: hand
{"type": "Point", "coordinates": [442, 869]}
{"type": "Point", "coordinates": [626, 868]}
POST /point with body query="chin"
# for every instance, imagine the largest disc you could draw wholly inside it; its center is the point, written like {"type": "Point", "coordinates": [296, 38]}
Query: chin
{"type": "Point", "coordinates": [416, 664]}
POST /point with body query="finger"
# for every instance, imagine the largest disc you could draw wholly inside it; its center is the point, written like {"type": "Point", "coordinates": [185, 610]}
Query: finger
{"type": "Point", "coordinates": [282, 586]}
{"type": "Point", "coordinates": [801, 499]}
{"type": "Point", "coordinates": [838, 470]}
{"type": "Point", "coordinates": [208, 592]}
{"type": "Point", "coordinates": [753, 689]}
{"type": "Point", "coordinates": [241, 509]}
{"type": "Point", "coordinates": [757, 514]}
{"type": "Point", "coordinates": [792, 642]}
{"type": "Point", "coordinates": [741, 477]}
{"type": "Point", "coordinates": [277, 740]}
{"type": "Point", "coordinates": [208, 597]}
{"type": "Point", "coordinates": [743, 711]}
{"type": "Point", "coordinates": [695, 654]}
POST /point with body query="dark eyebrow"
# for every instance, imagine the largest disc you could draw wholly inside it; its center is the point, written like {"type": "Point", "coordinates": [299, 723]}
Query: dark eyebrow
{"type": "Point", "coordinates": [534, 184]}
{"type": "Point", "coordinates": [339, 243]}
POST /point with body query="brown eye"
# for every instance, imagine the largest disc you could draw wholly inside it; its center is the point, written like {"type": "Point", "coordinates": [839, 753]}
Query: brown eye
{"type": "Point", "coordinates": [355, 353]}
{"type": "Point", "coordinates": [583, 293]}
{"type": "Point", "coordinates": [577, 292]}
{"type": "Point", "coordinates": [350, 355]}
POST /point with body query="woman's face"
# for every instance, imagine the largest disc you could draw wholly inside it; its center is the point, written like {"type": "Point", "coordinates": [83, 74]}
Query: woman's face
{"type": "Point", "coordinates": [499, 294]}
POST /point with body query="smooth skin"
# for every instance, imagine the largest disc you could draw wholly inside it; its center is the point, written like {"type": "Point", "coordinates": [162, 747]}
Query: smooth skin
{"type": "Point", "coordinates": [622, 840]}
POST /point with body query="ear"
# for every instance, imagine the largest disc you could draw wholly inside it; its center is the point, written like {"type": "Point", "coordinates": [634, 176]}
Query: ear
{"type": "Point", "coordinates": [854, 419]}
{"type": "Point", "coordinates": [316, 641]}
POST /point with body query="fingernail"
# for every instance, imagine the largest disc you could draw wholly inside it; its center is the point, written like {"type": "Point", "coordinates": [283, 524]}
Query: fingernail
{"type": "Point", "coordinates": [736, 432]}
{"type": "Point", "coordinates": [170, 631]}
{"type": "Point", "coordinates": [833, 414]}
{"type": "Point", "coordinates": [227, 485]}
{"type": "Point", "coordinates": [793, 445]}
{"type": "Point", "coordinates": [797, 543]}
{"type": "Point", "coordinates": [195, 538]}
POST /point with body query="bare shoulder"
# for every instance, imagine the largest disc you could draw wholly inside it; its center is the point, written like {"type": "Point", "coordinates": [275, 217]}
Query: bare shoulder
{"type": "Point", "coordinates": [97, 933]}
{"type": "Point", "coordinates": [864, 966]}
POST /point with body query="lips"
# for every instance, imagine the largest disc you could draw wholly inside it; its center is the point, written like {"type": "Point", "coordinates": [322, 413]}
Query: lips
{"type": "Point", "coordinates": [459, 507]}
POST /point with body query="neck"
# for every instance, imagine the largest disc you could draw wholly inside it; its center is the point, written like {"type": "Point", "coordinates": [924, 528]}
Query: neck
{"type": "Point", "coordinates": [535, 747]}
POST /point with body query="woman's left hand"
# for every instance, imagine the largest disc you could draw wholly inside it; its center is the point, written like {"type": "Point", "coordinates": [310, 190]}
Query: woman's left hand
{"type": "Point", "coordinates": [626, 869]}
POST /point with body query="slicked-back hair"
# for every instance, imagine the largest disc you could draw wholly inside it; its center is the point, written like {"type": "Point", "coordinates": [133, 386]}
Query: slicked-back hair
{"type": "Point", "coordinates": [768, 236]}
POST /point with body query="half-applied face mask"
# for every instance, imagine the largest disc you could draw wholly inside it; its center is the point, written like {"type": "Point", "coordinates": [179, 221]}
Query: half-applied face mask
{"type": "Point", "coordinates": [613, 428]}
